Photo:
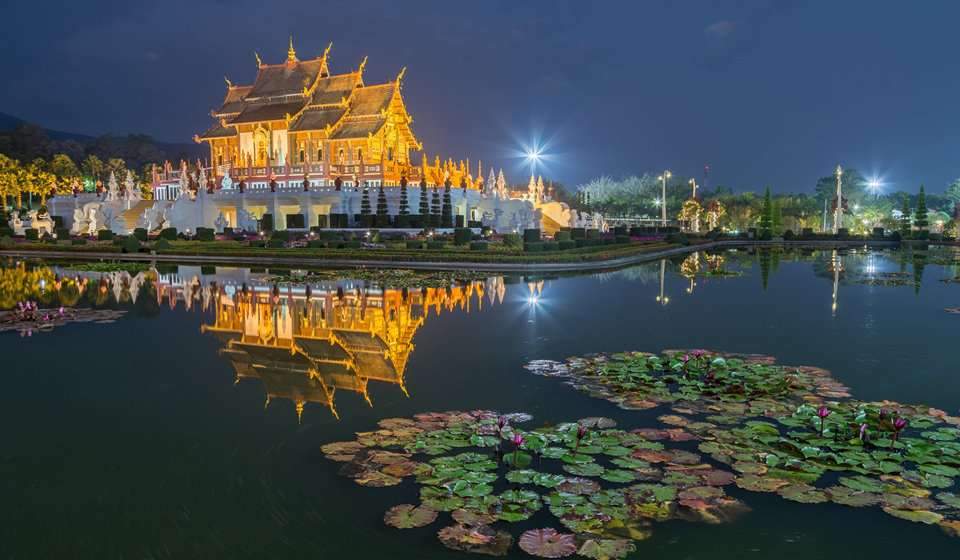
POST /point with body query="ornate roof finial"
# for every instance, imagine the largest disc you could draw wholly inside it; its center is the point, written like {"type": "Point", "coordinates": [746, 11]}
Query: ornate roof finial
{"type": "Point", "coordinates": [291, 54]}
{"type": "Point", "coordinates": [326, 51]}
{"type": "Point", "coordinates": [259, 62]}
{"type": "Point", "coordinates": [229, 83]}
{"type": "Point", "coordinates": [363, 64]}
{"type": "Point", "coordinates": [400, 75]}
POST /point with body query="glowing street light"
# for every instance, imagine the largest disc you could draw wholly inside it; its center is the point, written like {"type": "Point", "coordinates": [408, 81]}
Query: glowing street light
{"type": "Point", "coordinates": [657, 202]}
{"type": "Point", "coordinates": [874, 186]}
{"type": "Point", "coordinates": [663, 197]}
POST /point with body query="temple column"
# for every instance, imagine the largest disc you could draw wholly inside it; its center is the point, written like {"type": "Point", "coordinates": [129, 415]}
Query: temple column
{"type": "Point", "coordinates": [274, 211]}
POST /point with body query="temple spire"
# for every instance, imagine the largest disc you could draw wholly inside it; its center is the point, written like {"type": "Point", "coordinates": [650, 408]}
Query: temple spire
{"type": "Point", "coordinates": [259, 61]}
{"type": "Point", "coordinates": [291, 53]}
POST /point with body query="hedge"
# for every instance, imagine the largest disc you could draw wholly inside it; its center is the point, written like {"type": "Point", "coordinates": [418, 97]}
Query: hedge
{"type": "Point", "coordinates": [130, 244]}
{"type": "Point", "coordinates": [622, 239]}
{"type": "Point", "coordinates": [105, 235]}
{"type": "Point", "coordinates": [462, 236]}
{"type": "Point", "coordinates": [281, 235]}
{"type": "Point", "coordinates": [63, 233]}
{"type": "Point", "coordinates": [562, 236]}
{"type": "Point", "coordinates": [169, 233]}
{"type": "Point", "coordinates": [266, 222]}
{"type": "Point", "coordinates": [31, 234]}
{"type": "Point", "coordinates": [436, 244]}
{"type": "Point", "coordinates": [551, 246]}
{"type": "Point", "coordinates": [140, 233]}
{"type": "Point", "coordinates": [479, 245]}
{"type": "Point", "coordinates": [578, 233]}
{"type": "Point", "coordinates": [531, 235]}
{"type": "Point", "coordinates": [535, 247]}
{"type": "Point", "coordinates": [569, 244]}
{"type": "Point", "coordinates": [512, 240]}
{"type": "Point", "coordinates": [414, 244]}
{"type": "Point", "coordinates": [204, 234]}
{"type": "Point", "coordinates": [78, 241]}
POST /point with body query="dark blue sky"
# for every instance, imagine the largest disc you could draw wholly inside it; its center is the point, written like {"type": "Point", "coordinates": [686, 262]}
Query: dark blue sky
{"type": "Point", "coordinates": [768, 92]}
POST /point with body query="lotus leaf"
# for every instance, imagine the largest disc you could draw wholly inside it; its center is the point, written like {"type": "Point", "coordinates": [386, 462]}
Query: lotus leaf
{"type": "Point", "coordinates": [547, 543]}
{"type": "Point", "coordinates": [473, 518]}
{"type": "Point", "coordinates": [406, 516]}
{"type": "Point", "coordinates": [927, 517]}
{"type": "Point", "coordinates": [480, 539]}
{"type": "Point", "coordinates": [606, 549]}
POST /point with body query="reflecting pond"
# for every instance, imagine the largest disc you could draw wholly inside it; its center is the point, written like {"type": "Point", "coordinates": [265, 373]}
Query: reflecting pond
{"type": "Point", "coordinates": [179, 411]}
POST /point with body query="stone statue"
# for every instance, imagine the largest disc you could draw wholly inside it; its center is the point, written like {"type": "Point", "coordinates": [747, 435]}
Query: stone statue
{"type": "Point", "coordinates": [226, 183]}
{"type": "Point", "coordinates": [16, 224]}
{"type": "Point", "coordinates": [154, 217]}
{"type": "Point", "coordinates": [245, 220]}
{"type": "Point", "coordinates": [221, 222]}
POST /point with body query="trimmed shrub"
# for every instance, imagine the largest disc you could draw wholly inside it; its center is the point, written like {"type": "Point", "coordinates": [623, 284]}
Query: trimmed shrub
{"type": "Point", "coordinates": [63, 233]}
{"type": "Point", "coordinates": [316, 244]}
{"type": "Point", "coordinates": [6, 242]}
{"type": "Point", "coordinates": [620, 230]}
{"type": "Point", "coordinates": [204, 234]}
{"type": "Point", "coordinates": [281, 235]}
{"type": "Point", "coordinates": [609, 240]}
{"type": "Point", "coordinates": [806, 232]}
{"type": "Point", "coordinates": [105, 235]}
{"type": "Point", "coordinates": [435, 244]}
{"type": "Point", "coordinates": [621, 239]}
{"type": "Point", "coordinates": [275, 243]}
{"type": "Point", "coordinates": [678, 238]}
{"type": "Point", "coordinates": [578, 233]}
{"type": "Point", "coordinates": [531, 235]}
{"type": "Point", "coordinates": [878, 232]}
{"type": "Point", "coordinates": [162, 244]}
{"type": "Point", "coordinates": [228, 231]}
{"type": "Point", "coordinates": [266, 222]}
{"type": "Point", "coordinates": [130, 244]}
{"type": "Point", "coordinates": [295, 221]}
{"type": "Point", "coordinates": [5, 231]}
{"type": "Point", "coordinates": [57, 222]}
{"type": "Point", "coordinates": [843, 233]}
{"type": "Point", "coordinates": [568, 244]}
{"type": "Point", "coordinates": [403, 221]}
{"type": "Point", "coordinates": [551, 246]}
{"type": "Point", "coordinates": [593, 234]}
{"type": "Point", "coordinates": [479, 245]}
{"type": "Point", "coordinates": [31, 234]}
{"type": "Point", "coordinates": [562, 236]}
{"type": "Point", "coordinates": [353, 244]}
{"type": "Point", "coordinates": [512, 240]}
{"type": "Point", "coordinates": [534, 247]}
{"type": "Point", "coordinates": [169, 233]}
{"type": "Point", "coordinates": [788, 235]}
{"type": "Point", "coordinates": [462, 236]}
{"type": "Point", "coordinates": [140, 233]}
{"type": "Point", "coordinates": [414, 244]}
{"type": "Point", "coordinates": [78, 241]}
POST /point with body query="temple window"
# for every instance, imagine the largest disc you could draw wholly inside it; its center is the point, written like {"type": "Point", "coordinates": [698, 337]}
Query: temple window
{"type": "Point", "coordinates": [390, 154]}
{"type": "Point", "coordinates": [359, 154]}
{"type": "Point", "coordinates": [319, 154]}
{"type": "Point", "coordinates": [303, 156]}
{"type": "Point", "coordinates": [340, 157]}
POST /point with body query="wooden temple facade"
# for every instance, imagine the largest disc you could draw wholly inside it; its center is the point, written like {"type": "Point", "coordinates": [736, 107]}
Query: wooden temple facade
{"type": "Point", "coordinates": [298, 123]}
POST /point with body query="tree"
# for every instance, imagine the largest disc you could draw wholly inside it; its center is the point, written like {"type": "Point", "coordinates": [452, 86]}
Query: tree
{"type": "Point", "coordinates": [435, 207]}
{"type": "Point", "coordinates": [446, 214]}
{"type": "Point", "coordinates": [920, 217]}
{"type": "Point", "coordinates": [381, 202]}
{"type": "Point", "coordinates": [404, 205]}
{"type": "Point", "coordinates": [905, 229]}
{"type": "Point", "coordinates": [777, 221]}
{"type": "Point", "coordinates": [424, 205]}
{"type": "Point", "coordinates": [766, 217]}
{"type": "Point", "coordinates": [9, 184]}
{"type": "Point", "coordinates": [117, 166]}
{"type": "Point", "coordinates": [365, 201]}
{"type": "Point", "coordinates": [953, 195]}
{"type": "Point", "coordinates": [66, 172]}
{"type": "Point", "coordinates": [93, 167]}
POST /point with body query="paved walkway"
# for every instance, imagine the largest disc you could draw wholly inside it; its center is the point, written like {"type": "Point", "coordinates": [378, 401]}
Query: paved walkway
{"type": "Point", "coordinates": [310, 262]}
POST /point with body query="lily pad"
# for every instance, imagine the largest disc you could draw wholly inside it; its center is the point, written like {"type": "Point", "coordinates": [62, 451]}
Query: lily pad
{"type": "Point", "coordinates": [473, 518]}
{"type": "Point", "coordinates": [480, 540]}
{"type": "Point", "coordinates": [548, 543]}
{"type": "Point", "coordinates": [606, 549]}
{"type": "Point", "coordinates": [927, 517]}
{"type": "Point", "coordinates": [406, 516]}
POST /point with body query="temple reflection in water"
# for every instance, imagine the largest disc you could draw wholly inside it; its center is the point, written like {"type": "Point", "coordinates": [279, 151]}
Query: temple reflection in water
{"type": "Point", "coordinates": [306, 343]}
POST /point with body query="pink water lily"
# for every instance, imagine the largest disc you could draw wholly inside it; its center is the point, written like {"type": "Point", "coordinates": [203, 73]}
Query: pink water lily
{"type": "Point", "coordinates": [581, 433]}
{"type": "Point", "coordinates": [898, 425]}
{"type": "Point", "coordinates": [517, 442]}
{"type": "Point", "coordinates": [822, 413]}
{"type": "Point", "coordinates": [863, 432]}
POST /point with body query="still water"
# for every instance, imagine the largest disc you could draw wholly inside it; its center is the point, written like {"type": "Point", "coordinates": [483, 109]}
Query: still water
{"type": "Point", "coordinates": [185, 428]}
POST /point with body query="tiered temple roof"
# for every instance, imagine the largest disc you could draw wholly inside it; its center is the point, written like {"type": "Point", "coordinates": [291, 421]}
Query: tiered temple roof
{"type": "Point", "coordinates": [303, 93]}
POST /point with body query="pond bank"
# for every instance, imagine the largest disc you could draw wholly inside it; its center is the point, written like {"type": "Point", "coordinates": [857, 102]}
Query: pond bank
{"type": "Point", "coordinates": [613, 263]}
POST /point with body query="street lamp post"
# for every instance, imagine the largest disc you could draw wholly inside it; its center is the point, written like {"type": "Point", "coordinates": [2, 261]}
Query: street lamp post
{"type": "Point", "coordinates": [663, 197]}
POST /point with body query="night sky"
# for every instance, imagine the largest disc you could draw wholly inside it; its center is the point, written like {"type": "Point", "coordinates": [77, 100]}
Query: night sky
{"type": "Point", "coordinates": [768, 92]}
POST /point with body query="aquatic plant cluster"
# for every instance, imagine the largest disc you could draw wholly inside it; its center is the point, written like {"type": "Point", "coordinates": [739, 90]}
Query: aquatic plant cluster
{"type": "Point", "coordinates": [27, 317]}
{"type": "Point", "coordinates": [794, 431]}
{"type": "Point", "coordinates": [605, 487]}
